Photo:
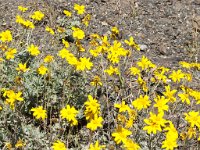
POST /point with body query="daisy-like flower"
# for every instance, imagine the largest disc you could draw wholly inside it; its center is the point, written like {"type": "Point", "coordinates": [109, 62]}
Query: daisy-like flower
{"type": "Point", "coordinates": [69, 113]}
{"type": "Point", "coordinates": [176, 75]}
{"type": "Point", "coordinates": [39, 112]}
{"type": "Point", "coordinates": [141, 102]}
{"type": "Point", "coordinates": [6, 36]}
{"type": "Point", "coordinates": [193, 118]}
{"type": "Point", "coordinates": [122, 107]}
{"type": "Point", "coordinates": [22, 67]}
{"type": "Point", "coordinates": [67, 13]}
{"type": "Point", "coordinates": [42, 70]}
{"type": "Point", "coordinates": [95, 123]}
{"type": "Point", "coordinates": [111, 70]}
{"type": "Point", "coordinates": [79, 8]}
{"type": "Point", "coordinates": [10, 54]}
{"type": "Point", "coordinates": [48, 59]}
{"type": "Point", "coordinates": [121, 134]}
{"type": "Point", "coordinates": [96, 146]}
{"type": "Point", "coordinates": [22, 9]}
{"type": "Point", "coordinates": [78, 33]}
{"type": "Point", "coordinates": [37, 15]}
{"type": "Point", "coordinates": [84, 64]}
{"type": "Point", "coordinates": [33, 50]}
{"type": "Point", "coordinates": [50, 30]}
{"type": "Point", "coordinates": [96, 81]}
{"type": "Point", "coordinates": [59, 145]}
{"type": "Point", "coordinates": [92, 105]}
{"type": "Point", "coordinates": [20, 144]}
{"type": "Point", "coordinates": [154, 123]}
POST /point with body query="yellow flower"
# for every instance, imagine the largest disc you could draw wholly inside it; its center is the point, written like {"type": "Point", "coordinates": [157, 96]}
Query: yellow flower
{"type": "Point", "coordinates": [129, 123]}
{"type": "Point", "coordinates": [60, 29]}
{"type": "Point", "coordinates": [3, 47]}
{"type": "Point", "coordinates": [39, 112]}
{"type": "Point", "coordinates": [63, 53]}
{"type": "Point", "coordinates": [42, 70]}
{"type": "Point", "coordinates": [22, 9]}
{"type": "Point", "coordinates": [184, 97]}
{"type": "Point", "coordinates": [33, 50]}
{"type": "Point", "coordinates": [92, 106]}
{"type": "Point", "coordinates": [58, 145]}
{"type": "Point", "coordinates": [83, 64]}
{"type": "Point", "coordinates": [86, 19]}
{"type": "Point", "coordinates": [135, 71]}
{"type": "Point", "coordinates": [161, 103]}
{"type": "Point", "coordinates": [121, 118]}
{"type": "Point", "coordinates": [5, 36]}
{"type": "Point", "coordinates": [142, 83]}
{"type": "Point", "coordinates": [115, 30]}
{"type": "Point", "coordinates": [79, 8]}
{"type": "Point", "coordinates": [96, 81]}
{"type": "Point", "coordinates": [120, 134]}
{"type": "Point", "coordinates": [48, 59]}
{"type": "Point", "coordinates": [169, 144]}
{"type": "Point", "coordinates": [95, 123]}
{"type": "Point", "coordinates": [154, 123]}
{"type": "Point", "coordinates": [195, 95]}
{"type": "Point", "coordinates": [12, 97]}
{"type": "Point", "coordinates": [1, 107]}
{"type": "Point", "coordinates": [19, 19]}
{"type": "Point", "coordinates": [80, 47]}
{"type": "Point", "coordinates": [188, 76]}
{"type": "Point", "coordinates": [19, 144]}
{"type": "Point", "coordinates": [193, 118]}
{"type": "Point", "coordinates": [10, 54]}
{"type": "Point", "coordinates": [50, 30]}
{"type": "Point", "coordinates": [67, 13]}
{"type": "Point", "coordinates": [122, 107]}
{"type": "Point", "coordinates": [185, 64]}
{"type": "Point", "coordinates": [71, 59]}
{"type": "Point", "coordinates": [66, 44]}
{"type": "Point", "coordinates": [8, 145]}
{"type": "Point", "coordinates": [28, 24]}
{"type": "Point", "coordinates": [78, 33]}
{"type": "Point", "coordinates": [1, 60]}
{"type": "Point", "coordinates": [22, 67]}
{"type": "Point", "coordinates": [131, 145]}
{"type": "Point", "coordinates": [170, 94]}
{"type": "Point", "coordinates": [115, 52]}
{"type": "Point", "coordinates": [145, 63]}
{"type": "Point", "coordinates": [191, 132]}
{"type": "Point", "coordinates": [37, 15]}
{"type": "Point", "coordinates": [96, 146]}
{"type": "Point", "coordinates": [183, 136]}
{"type": "Point", "coordinates": [141, 102]}
{"type": "Point", "coordinates": [69, 113]}
{"type": "Point", "coordinates": [171, 133]}
{"type": "Point", "coordinates": [132, 43]}
{"type": "Point", "coordinates": [176, 75]}
{"type": "Point", "coordinates": [112, 71]}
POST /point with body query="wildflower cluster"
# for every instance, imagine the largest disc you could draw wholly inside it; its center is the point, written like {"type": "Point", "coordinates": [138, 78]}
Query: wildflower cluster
{"type": "Point", "coordinates": [92, 113]}
{"type": "Point", "coordinates": [64, 87]}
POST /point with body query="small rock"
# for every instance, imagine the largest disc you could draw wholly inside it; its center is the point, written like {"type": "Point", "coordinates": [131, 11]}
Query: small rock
{"type": "Point", "coordinates": [143, 47]}
{"type": "Point", "coordinates": [164, 49]}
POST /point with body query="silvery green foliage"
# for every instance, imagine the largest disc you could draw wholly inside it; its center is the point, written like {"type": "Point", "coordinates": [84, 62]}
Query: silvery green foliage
{"type": "Point", "coordinates": [37, 138]}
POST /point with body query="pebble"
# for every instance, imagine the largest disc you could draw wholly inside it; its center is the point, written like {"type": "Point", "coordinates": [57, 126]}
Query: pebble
{"type": "Point", "coordinates": [143, 47]}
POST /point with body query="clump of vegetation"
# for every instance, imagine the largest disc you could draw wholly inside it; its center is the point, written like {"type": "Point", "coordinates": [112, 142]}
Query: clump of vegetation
{"type": "Point", "coordinates": [67, 88]}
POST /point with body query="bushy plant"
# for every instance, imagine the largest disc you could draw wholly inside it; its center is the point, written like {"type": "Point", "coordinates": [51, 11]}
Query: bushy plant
{"type": "Point", "coordinates": [64, 87]}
